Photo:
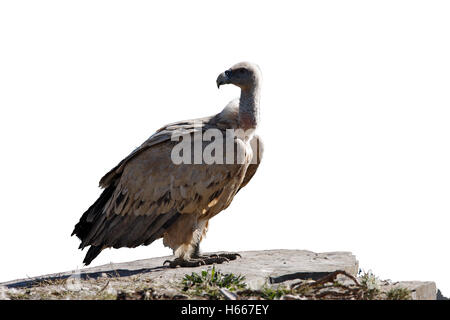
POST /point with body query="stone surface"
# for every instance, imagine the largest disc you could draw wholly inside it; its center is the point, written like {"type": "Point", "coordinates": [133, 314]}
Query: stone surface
{"type": "Point", "coordinates": [260, 268]}
{"type": "Point", "coordinates": [420, 290]}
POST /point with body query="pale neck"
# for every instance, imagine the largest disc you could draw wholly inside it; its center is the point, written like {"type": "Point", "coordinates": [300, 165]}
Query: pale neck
{"type": "Point", "coordinates": [249, 107]}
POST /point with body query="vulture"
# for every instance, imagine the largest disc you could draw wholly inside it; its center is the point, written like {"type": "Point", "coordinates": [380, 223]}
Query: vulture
{"type": "Point", "coordinates": [149, 196]}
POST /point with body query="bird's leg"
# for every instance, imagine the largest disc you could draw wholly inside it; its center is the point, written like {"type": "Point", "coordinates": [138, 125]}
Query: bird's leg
{"type": "Point", "coordinates": [196, 253]}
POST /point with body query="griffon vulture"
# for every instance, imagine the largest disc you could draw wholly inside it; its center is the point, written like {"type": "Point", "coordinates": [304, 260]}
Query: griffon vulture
{"type": "Point", "coordinates": [147, 196]}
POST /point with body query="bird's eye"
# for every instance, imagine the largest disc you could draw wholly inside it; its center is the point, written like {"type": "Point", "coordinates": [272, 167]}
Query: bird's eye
{"type": "Point", "coordinates": [228, 73]}
{"type": "Point", "coordinates": [241, 70]}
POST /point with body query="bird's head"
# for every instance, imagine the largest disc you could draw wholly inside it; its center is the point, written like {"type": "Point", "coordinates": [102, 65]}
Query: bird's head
{"type": "Point", "coordinates": [245, 75]}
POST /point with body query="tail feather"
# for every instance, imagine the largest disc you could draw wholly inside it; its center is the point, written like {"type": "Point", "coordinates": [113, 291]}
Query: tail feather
{"type": "Point", "coordinates": [84, 226]}
{"type": "Point", "coordinates": [99, 231]}
{"type": "Point", "coordinates": [88, 221]}
{"type": "Point", "coordinates": [92, 253]}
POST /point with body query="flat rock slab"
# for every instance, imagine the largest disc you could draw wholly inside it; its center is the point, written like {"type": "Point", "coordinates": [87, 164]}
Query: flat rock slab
{"type": "Point", "coordinates": [271, 267]}
{"type": "Point", "coordinates": [258, 267]}
{"type": "Point", "coordinates": [420, 290]}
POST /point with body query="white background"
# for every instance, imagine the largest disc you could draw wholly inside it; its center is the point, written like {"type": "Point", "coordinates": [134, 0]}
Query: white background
{"type": "Point", "coordinates": [354, 115]}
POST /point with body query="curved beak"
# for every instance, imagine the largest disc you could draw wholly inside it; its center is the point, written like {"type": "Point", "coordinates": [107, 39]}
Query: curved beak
{"type": "Point", "coordinates": [222, 79]}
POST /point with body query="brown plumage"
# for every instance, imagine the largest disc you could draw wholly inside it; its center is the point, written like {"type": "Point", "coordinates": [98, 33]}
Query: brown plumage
{"type": "Point", "coordinates": [147, 197]}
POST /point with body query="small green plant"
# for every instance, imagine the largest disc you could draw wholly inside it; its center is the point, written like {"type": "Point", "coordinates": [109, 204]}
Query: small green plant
{"type": "Point", "coordinates": [398, 294]}
{"type": "Point", "coordinates": [274, 293]}
{"type": "Point", "coordinates": [369, 284]}
{"type": "Point", "coordinates": [209, 283]}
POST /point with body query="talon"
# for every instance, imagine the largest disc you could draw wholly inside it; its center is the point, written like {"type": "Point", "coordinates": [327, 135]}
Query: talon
{"type": "Point", "coordinates": [230, 256]}
{"type": "Point", "coordinates": [167, 261]}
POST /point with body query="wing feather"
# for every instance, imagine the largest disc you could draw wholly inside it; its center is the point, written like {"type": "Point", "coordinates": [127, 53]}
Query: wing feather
{"type": "Point", "coordinates": [150, 192]}
{"type": "Point", "coordinates": [257, 151]}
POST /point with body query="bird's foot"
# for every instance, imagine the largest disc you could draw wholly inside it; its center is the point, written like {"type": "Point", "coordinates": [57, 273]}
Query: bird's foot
{"type": "Point", "coordinates": [201, 260]}
{"type": "Point", "coordinates": [228, 255]}
{"type": "Point", "coordinates": [218, 257]}
{"type": "Point", "coordinates": [186, 263]}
